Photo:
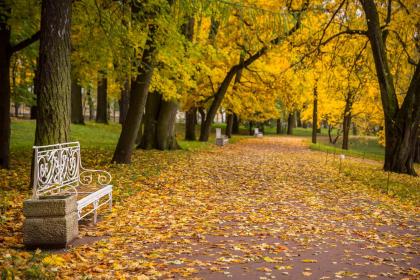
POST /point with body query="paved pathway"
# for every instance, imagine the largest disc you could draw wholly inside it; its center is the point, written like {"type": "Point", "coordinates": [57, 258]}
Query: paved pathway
{"type": "Point", "coordinates": [260, 209]}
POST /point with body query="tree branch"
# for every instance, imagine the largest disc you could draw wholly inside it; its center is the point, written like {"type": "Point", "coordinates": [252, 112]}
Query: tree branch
{"type": "Point", "coordinates": [23, 44]}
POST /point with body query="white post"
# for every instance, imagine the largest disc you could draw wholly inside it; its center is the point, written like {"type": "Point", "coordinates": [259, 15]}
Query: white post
{"type": "Point", "coordinates": [256, 131]}
{"type": "Point", "coordinates": [218, 133]}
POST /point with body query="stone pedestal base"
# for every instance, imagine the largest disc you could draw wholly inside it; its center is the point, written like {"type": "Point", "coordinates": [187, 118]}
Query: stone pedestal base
{"type": "Point", "coordinates": [50, 221]}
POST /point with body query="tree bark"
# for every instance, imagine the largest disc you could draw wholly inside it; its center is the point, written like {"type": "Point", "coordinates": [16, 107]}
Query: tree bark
{"type": "Point", "coordinates": [417, 149]}
{"type": "Point", "coordinates": [347, 122]}
{"type": "Point", "coordinates": [76, 103]}
{"type": "Point", "coordinates": [229, 125]}
{"type": "Point", "coordinates": [235, 125]}
{"type": "Point", "coordinates": [315, 115]}
{"type": "Point", "coordinates": [101, 101]}
{"type": "Point", "coordinates": [5, 56]}
{"type": "Point", "coordinates": [354, 126]}
{"type": "Point", "coordinates": [401, 123]}
{"type": "Point", "coordinates": [190, 123]}
{"type": "Point", "coordinates": [159, 128]}
{"type": "Point", "coordinates": [54, 81]}
{"type": "Point", "coordinates": [166, 130]}
{"type": "Point", "coordinates": [124, 101]}
{"type": "Point", "coordinates": [278, 126]}
{"type": "Point", "coordinates": [298, 119]}
{"type": "Point", "coordinates": [151, 115]}
{"type": "Point", "coordinates": [90, 105]}
{"type": "Point", "coordinates": [290, 124]}
{"type": "Point", "coordinates": [251, 128]}
{"type": "Point", "coordinates": [138, 97]}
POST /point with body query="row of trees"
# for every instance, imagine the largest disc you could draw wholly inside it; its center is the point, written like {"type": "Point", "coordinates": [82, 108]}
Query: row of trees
{"type": "Point", "coordinates": [333, 62]}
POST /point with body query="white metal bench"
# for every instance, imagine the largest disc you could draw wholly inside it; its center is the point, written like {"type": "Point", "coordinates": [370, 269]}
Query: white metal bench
{"type": "Point", "coordinates": [58, 169]}
{"type": "Point", "coordinates": [221, 140]}
{"type": "Point", "coordinates": [257, 133]}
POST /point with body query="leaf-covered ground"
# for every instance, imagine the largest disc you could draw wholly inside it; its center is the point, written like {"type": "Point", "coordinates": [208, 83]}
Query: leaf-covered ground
{"type": "Point", "coordinates": [260, 209]}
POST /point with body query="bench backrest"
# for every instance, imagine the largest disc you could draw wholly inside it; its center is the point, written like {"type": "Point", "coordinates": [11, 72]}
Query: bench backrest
{"type": "Point", "coordinates": [56, 167]}
{"type": "Point", "coordinates": [218, 132]}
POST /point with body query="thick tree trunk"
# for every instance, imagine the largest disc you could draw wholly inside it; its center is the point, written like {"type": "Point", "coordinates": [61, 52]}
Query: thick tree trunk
{"type": "Point", "coordinates": [138, 97]}
{"type": "Point", "coordinates": [235, 125]}
{"type": "Point", "coordinates": [166, 130]}
{"type": "Point", "coordinates": [159, 127]}
{"type": "Point", "coordinates": [76, 103]}
{"type": "Point", "coordinates": [101, 101]}
{"type": "Point", "coordinates": [54, 81]}
{"type": "Point", "coordinates": [290, 124]}
{"type": "Point", "coordinates": [417, 149]}
{"type": "Point", "coordinates": [190, 123]}
{"type": "Point", "coordinates": [401, 123]}
{"type": "Point", "coordinates": [151, 116]}
{"type": "Point", "coordinates": [124, 101]}
{"type": "Point", "coordinates": [315, 116]}
{"type": "Point", "coordinates": [229, 125]}
{"type": "Point", "coordinates": [4, 94]}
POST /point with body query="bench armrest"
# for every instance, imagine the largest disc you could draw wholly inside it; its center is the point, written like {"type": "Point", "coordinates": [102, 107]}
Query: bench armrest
{"type": "Point", "coordinates": [87, 177]}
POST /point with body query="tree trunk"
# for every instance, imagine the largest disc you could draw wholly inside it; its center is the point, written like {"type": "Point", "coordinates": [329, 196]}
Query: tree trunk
{"type": "Point", "coordinates": [417, 149]}
{"type": "Point", "coordinates": [151, 116]}
{"type": "Point", "coordinates": [298, 119]}
{"type": "Point", "coordinates": [4, 93]}
{"type": "Point", "coordinates": [278, 126]}
{"type": "Point", "coordinates": [315, 115]}
{"type": "Point", "coordinates": [166, 130]}
{"type": "Point", "coordinates": [190, 123]}
{"type": "Point", "coordinates": [159, 124]}
{"type": "Point", "coordinates": [124, 101]}
{"type": "Point", "coordinates": [251, 128]}
{"type": "Point", "coordinates": [54, 81]}
{"type": "Point", "coordinates": [235, 125]}
{"type": "Point", "coordinates": [101, 101]}
{"type": "Point", "coordinates": [354, 126]}
{"type": "Point", "coordinates": [138, 97]}
{"type": "Point", "coordinates": [76, 103]}
{"type": "Point", "coordinates": [290, 121]}
{"type": "Point", "coordinates": [346, 123]}
{"type": "Point", "coordinates": [401, 123]}
{"type": "Point", "coordinates": [229, 125]}
{"type": "Point", "coordinates": [90, 105]}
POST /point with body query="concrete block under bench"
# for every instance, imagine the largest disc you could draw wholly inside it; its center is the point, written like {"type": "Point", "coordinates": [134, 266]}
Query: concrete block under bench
{"type": "Point", "coordinates": [50, 221]}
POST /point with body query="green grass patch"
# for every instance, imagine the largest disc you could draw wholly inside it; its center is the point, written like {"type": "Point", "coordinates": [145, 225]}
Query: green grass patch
{"type": "Point", "coordinates": [360, 146]}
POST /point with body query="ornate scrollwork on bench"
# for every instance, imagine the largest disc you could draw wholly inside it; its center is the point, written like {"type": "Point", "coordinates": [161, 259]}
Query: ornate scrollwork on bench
{"type": "Point", "coordinates": [87, 177]}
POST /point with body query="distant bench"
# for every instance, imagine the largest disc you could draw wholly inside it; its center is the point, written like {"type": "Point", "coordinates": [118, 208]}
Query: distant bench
{"type": "Point", "coordinates": [257, 133]}
{"type": "Point", "coordinates": [221, 140]}
{"type": "Point", "coordinates": [58, 170]}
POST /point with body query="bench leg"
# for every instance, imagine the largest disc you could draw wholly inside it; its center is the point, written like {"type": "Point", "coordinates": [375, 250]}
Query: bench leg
{"type": "Point", "coordinates": [95, 211]}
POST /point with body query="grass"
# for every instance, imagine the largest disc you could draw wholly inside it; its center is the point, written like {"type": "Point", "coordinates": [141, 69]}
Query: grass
{"type": "Point", "coordinates": [360, 146]}
{"type": "Point", "coordinates": [99, 136]}
{"type": "Point", "coordinates": [91, 135]}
